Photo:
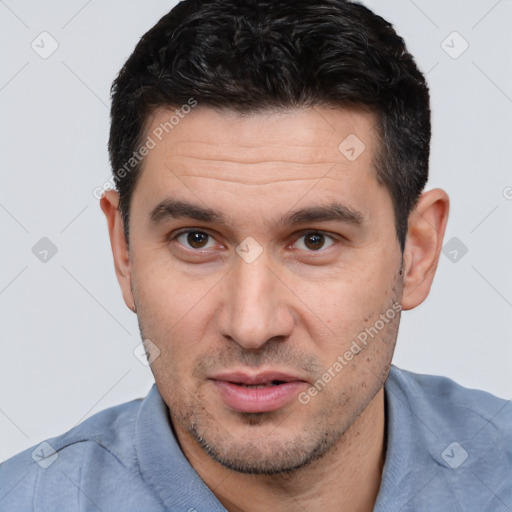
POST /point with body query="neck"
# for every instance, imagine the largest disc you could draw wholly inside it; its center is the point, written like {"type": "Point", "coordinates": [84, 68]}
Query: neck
{"type": "Point", "coordinates": [345, 478]}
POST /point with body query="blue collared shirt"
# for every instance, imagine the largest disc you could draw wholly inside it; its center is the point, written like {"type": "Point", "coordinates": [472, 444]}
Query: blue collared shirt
{"type": "Point", "coordinates": [449, 449]}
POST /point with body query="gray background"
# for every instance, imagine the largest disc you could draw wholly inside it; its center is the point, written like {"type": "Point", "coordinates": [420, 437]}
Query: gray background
{"type": "Point", "coordinates": [67, 338]}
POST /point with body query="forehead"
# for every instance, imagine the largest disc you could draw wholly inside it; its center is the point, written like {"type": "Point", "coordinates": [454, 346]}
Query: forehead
{"type": "Point", "coordinates": [264, 147]}
{"type": "Point", "coordinates": [258, 168]}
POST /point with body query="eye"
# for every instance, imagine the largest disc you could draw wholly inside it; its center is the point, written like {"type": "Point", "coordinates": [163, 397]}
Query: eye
{"type": "Point", "coordinates": [314, 241]}
{"type": "Point", "coordinates": [195, 240]}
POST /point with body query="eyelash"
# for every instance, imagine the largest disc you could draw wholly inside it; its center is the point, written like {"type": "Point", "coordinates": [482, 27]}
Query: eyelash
{"type": "Point", "coordinates": [186, 231]}
{"type": "Point", "coordinates": [303, 234]}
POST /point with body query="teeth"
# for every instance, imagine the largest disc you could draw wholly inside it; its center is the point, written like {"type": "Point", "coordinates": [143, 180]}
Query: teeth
{"type": "Point", "coordinates": [257, 386]}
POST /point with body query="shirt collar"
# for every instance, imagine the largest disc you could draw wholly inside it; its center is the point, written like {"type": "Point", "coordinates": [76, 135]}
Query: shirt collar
{"type": "Point", "coordinates": [413, 444]}
{"type": "Point", "coordinates": [164, 466]}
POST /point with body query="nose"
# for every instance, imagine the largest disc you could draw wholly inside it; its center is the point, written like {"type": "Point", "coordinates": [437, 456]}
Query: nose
{"type": "Point", "coordinates": [255, 308]}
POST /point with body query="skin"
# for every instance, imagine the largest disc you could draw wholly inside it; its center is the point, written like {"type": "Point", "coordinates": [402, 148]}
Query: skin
{"type": "Point", "coordinates": [296, 308]}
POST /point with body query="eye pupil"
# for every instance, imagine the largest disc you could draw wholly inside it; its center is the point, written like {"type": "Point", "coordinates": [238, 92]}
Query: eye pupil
{"type": "Point", "coordinates": [196, 239]}
{"type": "Point", "coordinates": [314, 241]}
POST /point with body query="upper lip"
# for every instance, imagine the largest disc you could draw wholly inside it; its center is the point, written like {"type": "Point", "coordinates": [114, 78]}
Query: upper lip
{"type": "Point", "coordinates": [255, 379]}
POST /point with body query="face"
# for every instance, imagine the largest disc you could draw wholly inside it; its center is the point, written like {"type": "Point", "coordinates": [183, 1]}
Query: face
{"type": "Point", "coordinates": [265, 267]}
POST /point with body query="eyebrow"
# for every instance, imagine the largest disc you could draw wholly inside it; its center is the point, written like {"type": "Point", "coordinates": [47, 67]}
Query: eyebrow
{"type": "Point", "coordinates": [334, 211]}
{"type": "Point", "coordinates": [175, 209]}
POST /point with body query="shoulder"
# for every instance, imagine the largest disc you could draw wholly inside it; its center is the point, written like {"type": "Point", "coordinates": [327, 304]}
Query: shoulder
{"type": "Point", "coordinates": [442, 399]}
{"type": "Point", "coordinates": [447, 444]}
{"type": "Point", "coordinates": [56, 472]}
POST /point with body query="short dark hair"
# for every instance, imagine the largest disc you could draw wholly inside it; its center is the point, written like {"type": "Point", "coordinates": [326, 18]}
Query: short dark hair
{"type": "Point", "coordinates": [254, 55]}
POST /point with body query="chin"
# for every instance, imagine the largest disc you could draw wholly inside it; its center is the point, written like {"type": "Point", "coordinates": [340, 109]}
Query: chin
{"type": "Point", "coordinates": [270, 452]}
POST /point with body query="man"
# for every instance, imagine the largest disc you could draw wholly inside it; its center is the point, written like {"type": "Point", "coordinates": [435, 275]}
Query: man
{"type": "Point", "coordinates": [268, 228]}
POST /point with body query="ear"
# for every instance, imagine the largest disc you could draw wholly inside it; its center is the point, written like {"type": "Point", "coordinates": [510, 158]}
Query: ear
{"type": "Point", "coordinates": [427, 224]}
{"type": "Point", "coordinates": [110, 205]}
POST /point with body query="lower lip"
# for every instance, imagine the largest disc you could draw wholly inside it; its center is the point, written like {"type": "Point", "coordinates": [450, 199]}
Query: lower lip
{"type": "Point", "coordinates": [270, 398]}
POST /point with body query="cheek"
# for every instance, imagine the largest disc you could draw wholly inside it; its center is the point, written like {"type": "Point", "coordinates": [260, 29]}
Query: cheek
{"type": "Point", "coordinates": [351, 297]}
{"type": "Point", "coordinates": [173, 312]}
{"type": "Point", "coordinates": [343, 320]}
{"type": "Point", "coordinates": [165, 292]}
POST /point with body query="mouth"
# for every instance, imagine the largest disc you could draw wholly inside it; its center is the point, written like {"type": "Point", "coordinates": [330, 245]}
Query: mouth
{"type": "Point", "coordinates": [257, 386]}
{"type": "Point", "coordinates": [257, 393]}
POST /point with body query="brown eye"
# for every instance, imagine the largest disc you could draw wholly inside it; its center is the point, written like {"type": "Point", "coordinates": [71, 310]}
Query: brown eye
{"type": "Point", "coordinates": [314, 241]}
{"type": "Point", "coordinates": [195, 239]}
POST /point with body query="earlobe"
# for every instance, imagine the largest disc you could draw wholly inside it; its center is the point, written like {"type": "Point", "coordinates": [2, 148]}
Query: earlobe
{"type": "Point", "coordinates": [110, 205]}
{"type": "Point", "coordinates": [427, 225]}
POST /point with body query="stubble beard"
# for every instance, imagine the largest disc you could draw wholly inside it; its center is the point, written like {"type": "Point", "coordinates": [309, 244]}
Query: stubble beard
{"type": "Point", "coordinates": [276, 454]}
